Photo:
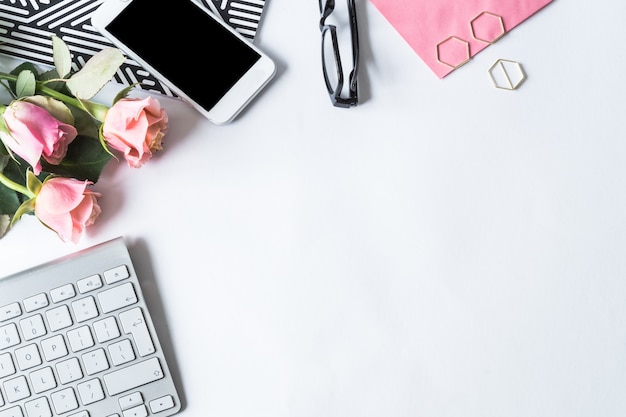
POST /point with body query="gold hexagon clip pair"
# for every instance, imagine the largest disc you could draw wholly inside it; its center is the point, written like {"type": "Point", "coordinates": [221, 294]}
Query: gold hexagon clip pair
{"type": "Point", "coordinates": [486, 27]}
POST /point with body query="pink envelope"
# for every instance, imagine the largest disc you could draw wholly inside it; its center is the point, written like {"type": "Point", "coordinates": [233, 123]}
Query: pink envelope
{"type": "Point", "coordinates": [447, 33]}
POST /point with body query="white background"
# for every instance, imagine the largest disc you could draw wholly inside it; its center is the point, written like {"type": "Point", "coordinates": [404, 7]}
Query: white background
{"type": "Point", "coordinates": [446, 249]}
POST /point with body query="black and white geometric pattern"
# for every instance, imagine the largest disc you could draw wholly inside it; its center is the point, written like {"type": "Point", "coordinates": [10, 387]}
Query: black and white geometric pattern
{"type": "Point", "coordinates": [243, 15]}
{"type": "Point", "coordinates": [27, 25]}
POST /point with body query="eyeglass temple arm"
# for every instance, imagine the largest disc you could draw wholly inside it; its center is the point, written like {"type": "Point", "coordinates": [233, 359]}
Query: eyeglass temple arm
{"type": "Point", "coordinates": [355, 44]}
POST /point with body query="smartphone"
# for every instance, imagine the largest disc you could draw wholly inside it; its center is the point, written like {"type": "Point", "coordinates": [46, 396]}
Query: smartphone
{"type": "Point", "coordinates": [191, 50]}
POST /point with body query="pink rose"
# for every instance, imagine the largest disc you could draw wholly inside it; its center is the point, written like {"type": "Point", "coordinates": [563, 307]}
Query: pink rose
{"type": "Point", "coordinates": [136, 128]}
{"type": "Point", "coordinates": [65, 206]}
{"type": "Point", "coordinates": [35, 133]}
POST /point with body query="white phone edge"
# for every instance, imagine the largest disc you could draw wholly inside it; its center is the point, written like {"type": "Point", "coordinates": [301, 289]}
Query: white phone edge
{"type": "Point", "coordinates": [233, 102]}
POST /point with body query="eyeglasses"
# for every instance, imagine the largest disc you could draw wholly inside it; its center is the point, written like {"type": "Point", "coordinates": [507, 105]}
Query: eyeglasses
{"type": "Point", "coordinates": [331, 56]}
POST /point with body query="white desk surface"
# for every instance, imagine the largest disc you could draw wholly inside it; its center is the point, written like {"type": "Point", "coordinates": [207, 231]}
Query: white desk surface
{"type": "Point", "coordinates": [445, 249]}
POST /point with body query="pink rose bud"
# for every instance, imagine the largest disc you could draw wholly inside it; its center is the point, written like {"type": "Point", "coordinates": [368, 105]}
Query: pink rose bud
{"type": "Point", "coordinates": [136, 128]}
{"type": "Point", "coordinates": [35, 133]}
{"type": "Point", "coordinates": [65, 206]}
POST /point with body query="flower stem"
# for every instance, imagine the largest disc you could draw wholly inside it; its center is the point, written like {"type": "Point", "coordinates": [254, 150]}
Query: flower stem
{"type": "Point", "coordinates": [59, 96]}
{"type": "Point", "coordinates": [15, 186]}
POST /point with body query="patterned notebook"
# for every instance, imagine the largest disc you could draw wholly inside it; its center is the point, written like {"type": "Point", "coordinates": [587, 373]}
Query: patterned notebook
{"type": "Point", "coordinates": [27, 25]}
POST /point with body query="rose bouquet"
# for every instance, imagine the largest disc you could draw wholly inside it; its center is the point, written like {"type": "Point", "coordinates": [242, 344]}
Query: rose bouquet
{"type": "Point", "coordinates": [55, 140]}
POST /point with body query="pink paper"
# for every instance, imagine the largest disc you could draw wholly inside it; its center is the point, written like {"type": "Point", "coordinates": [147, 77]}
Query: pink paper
{"type": "Point", "coordinates": [447, 33]}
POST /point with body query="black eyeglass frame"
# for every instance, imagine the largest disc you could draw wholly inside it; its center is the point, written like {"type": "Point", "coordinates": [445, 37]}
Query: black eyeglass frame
{"type": "Point", "coordinates": [326, 8]}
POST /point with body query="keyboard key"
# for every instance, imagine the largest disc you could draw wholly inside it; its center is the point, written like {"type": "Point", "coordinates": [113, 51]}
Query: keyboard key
{"type": "Point", "coordinates": [134, 323]}
{"type": "Point", "coordinates": [12, 412]}
{"type": "Point", "coordinates": [95, 361]}
{"type": "Point", "coordinates": [62, 293]}
{"type": "Point", "coordinates": [8, 336]}
{"type": "Point", "coordinates": [82, 413]}
{"type": "Point", "coordinates": [139, 411]}
{"type": "Point", "coordinates": [64, 401]}
{"type": "Point", "coordinates": [27, 357]}
{"type": "Point", "coordinates": [10, 311]}
{"type": "Point", "coordinates": [161, 404]}
{"type": "Point", "coordinates": [84, 309]}
{"type": "Point", "coordinates": [6, 365]}
{"type": "Point", "coordinates": [80, 339]}
{"type": "Point", "coordinates": [106, 329]}
{"type": "Point", "coordinates": [59, 318]}
{"type": "Point", "coordinates": [130, 400]}
{"type": "Point", "coordinates": [38, 407]}
{"type": "Point", "coordinates": [36, 302]}
{"type": "Point", "coordinates": [121, 352]}
{"type": "Point", "coordinates": [16, 389]}
{"type": "Point", "coordinates": [133, 376]}
{"type": "Point", "coordinates": [117, 297]}
{"type": "Point", "coordinates": [89, 284]}
{"type": "Point", "coordinates": [42, 380]}
{"type": "Point", "coordinates": [33, 327]}
{"type": "Point", "coordinates": [54, 348]}
{"type": "Point", "coordinates": [116, 274]}
{"type": "Point", "coordinates": [90, 391]}
{"type": "Point", "coordinates": [69, 371]}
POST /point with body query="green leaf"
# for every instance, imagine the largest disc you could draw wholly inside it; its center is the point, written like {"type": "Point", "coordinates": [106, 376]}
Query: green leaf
{"type": "Point", "coordinates": [26, 207]}
{"type": "Point", "coordinates": [103, 142]}
{"type": "Point", "coordinates": [98, 71]}
{"type": "Point", "coordinates": [84, 123]}
{"type": "Point", "coordinates": [26, 66]}
{"type": "Point", "coordinates": [33, 183]}
{"type": "Point", "coordinates": [15, 170]}
{"type": "Point", "coordinates": [13, 204]}
{"type": "Point", "coordinates": [124, 93]}
{"type": "Point", "coordinates": [25, 85]}
{"type": "Point", "coordinates": [5, 222]}
{"type": "Point", "coordinates": [62, 57]}
{"type": "Point", "coordinates": [9, 201]}
{"type": "Point", "coordinates": [3, 149]}
{"type": "Point", "coordinates": [85, 160]}
{"type": "Point", "coordinates": [55, 84]}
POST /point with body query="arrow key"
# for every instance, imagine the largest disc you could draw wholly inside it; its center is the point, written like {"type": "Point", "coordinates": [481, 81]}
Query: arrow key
{"type": "Point", "coordinates": [161, 404]}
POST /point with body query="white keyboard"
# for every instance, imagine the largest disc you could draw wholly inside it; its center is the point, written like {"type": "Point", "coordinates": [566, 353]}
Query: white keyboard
{"type": "Point", "coordinates": [77, 340]}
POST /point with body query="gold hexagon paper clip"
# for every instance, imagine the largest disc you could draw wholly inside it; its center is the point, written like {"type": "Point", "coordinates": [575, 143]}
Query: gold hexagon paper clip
{"type": "Point", "coordinates": [455, 44]}
{"type": "Point", "coordinates": [511, 71]}
{"type": "Point", "coordinates": [487, 20]}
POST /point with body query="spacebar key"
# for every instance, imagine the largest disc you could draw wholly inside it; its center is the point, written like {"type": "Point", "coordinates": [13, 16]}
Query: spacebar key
{"type": "Point", "coordinates": [133, 376]}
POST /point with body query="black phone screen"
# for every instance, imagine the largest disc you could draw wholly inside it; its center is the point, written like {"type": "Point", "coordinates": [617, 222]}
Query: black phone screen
{"type": "Point", "coordinates": [187, 46]}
